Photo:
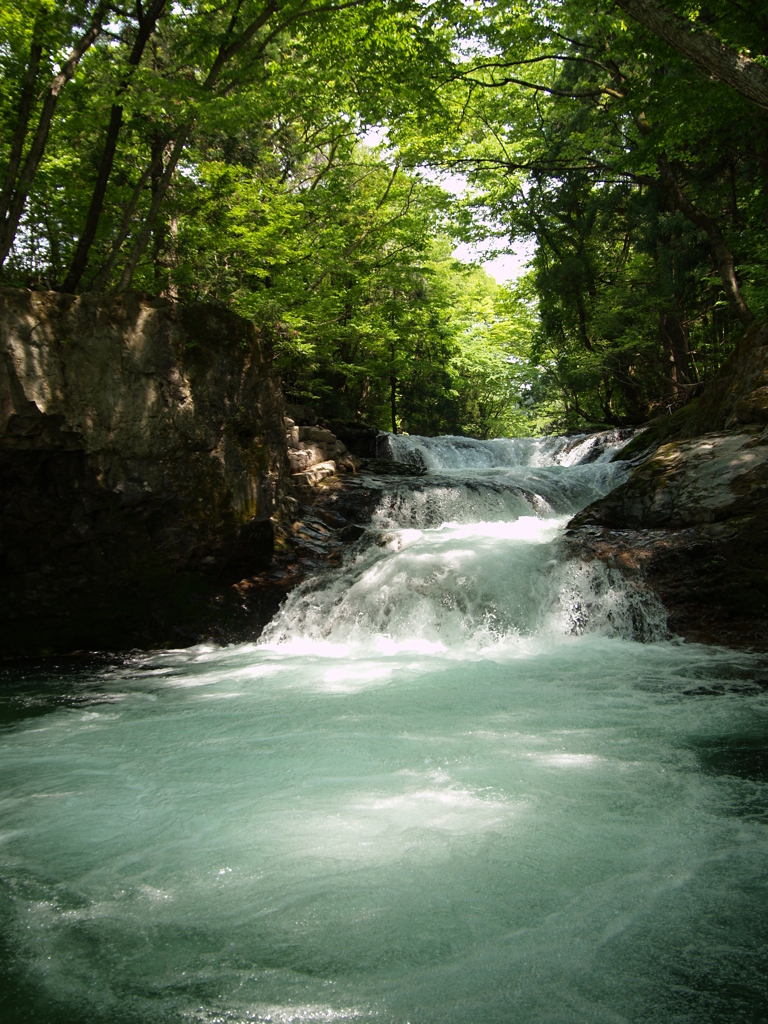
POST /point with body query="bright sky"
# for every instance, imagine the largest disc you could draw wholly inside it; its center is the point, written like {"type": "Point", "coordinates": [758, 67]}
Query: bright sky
{"type": "Point", "coordinates": [505, 267]}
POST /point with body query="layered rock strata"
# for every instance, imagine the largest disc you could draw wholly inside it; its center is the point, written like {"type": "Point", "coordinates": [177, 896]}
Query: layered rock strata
{"type": "Point", "coordinates": [315, 453]}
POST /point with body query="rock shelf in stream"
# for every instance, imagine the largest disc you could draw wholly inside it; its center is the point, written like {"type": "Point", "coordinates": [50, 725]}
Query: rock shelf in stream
{"type": "Point", "coordinates": [690, 525]}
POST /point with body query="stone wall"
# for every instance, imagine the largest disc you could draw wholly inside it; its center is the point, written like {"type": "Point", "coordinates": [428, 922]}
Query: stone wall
{"type": "Point", "coordinates": [142, 446]}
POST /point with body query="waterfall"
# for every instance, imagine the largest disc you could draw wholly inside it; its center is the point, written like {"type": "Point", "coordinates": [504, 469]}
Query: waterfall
{"type": "Point", "coordinates": [465, 453]}
{"type": "Point", "coordinates": [471, 553]}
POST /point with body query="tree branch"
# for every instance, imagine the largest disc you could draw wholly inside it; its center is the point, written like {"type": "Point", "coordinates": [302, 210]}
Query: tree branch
{"type": "Point", "coordinates": [10, 222]}
{"type": "Point", "coordinates": [147, 24]}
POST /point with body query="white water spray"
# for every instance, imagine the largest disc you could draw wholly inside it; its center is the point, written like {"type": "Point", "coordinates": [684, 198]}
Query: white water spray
{"type": "Point", "coordinates": [473, 557]}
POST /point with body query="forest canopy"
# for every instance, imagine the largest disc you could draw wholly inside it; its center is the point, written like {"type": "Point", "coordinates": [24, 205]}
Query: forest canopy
{"type": "Point", "coordinates": [290, 159]}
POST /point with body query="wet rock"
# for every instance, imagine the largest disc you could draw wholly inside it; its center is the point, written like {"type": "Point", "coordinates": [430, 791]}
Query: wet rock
{"type": "Point", "coordinates": [704, 480]}
{"type": "Point", "coordinates": [315, 528]}
{"type": "Point", "coordinates": [691, 523]}
{"type": "Point", "coordinates": [345, 461]}
{"type": "Point", "coordinates": [392, 467]}
{"type": "Point", "coordinates": [387, 450]}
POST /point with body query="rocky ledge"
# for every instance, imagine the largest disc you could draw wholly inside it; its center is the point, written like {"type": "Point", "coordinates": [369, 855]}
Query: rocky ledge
{"type": "Point", "coordinates": [328, 499]}
{"type": "Point", "coordinates": [691, 522]}
{"type": "Point", "coordinates": [315, 452]}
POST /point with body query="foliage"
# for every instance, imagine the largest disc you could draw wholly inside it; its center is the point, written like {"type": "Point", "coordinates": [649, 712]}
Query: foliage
{"type": "Point", "coordinates": [218, 151]}
{"type": "Point", "coordinates": [565, 120]}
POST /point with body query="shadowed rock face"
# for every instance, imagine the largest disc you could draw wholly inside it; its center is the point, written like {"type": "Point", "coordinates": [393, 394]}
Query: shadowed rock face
{"type": "Point", "coordinates": [692, 523]}
{"type": "Point", "coordinates": [141, 449]}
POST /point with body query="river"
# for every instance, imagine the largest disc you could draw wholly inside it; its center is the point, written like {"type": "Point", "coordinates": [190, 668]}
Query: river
{"type": "Point", "coordinates": [459, 779]}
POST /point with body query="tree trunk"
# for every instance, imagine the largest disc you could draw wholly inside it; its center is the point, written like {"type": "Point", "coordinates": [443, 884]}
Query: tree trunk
{"type": "Point", "coordinates": [674, 340]}
{"type": "Point", "coordinates": [723, 254]}
{"type": "Point", "coordinates": [171, 289]}
{"type": "Point", "coordinates": [100, 280]}
{"type": "Point", "coordinates": [158, 230]}
{"type": "Point", "coordinates": [762, 163]}
{"type": "Point", "coordinates": [583, 321]}
{"type": "Point", "coordinates": [10, 222]}
{"type": "Point", "coordinates": [26, 103]}
{"type": "Point", "coordinates": [225, 54]}
{"type": "Point", "coordinates": [227, 50]}
{"type": "Point", "coordinates": [745, 76]}
{"type": "Point", "coordinates": [146, 232]}
{"type": "Point", "coordinates": [80, 260]}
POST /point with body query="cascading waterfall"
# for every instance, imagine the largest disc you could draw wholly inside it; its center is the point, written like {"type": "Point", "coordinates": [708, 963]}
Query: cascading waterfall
{"type": "Point", "coordinates": [469, 556]}
{"type": "Point", "coordinates": [460, 779]}
{"type": "Point", "coordinates": [467, 453]}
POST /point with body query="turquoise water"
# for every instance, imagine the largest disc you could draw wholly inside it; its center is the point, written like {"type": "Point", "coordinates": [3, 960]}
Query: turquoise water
{"type": "Point", "coordinates": [458, 780]}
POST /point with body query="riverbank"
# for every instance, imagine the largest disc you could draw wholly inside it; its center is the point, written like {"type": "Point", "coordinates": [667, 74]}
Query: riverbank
{"type": "Point", "coordinates": [157, 492]}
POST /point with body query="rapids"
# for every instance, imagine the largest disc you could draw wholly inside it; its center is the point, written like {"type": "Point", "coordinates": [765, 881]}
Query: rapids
{"type": "Point", "coordinates": [460, 779]}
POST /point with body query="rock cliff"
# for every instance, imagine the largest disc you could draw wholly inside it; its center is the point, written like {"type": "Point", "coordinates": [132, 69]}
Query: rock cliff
{"type": "Point", "coordinates": [142, 445]}
{"type": "Point", "coordinates": [692, 520]}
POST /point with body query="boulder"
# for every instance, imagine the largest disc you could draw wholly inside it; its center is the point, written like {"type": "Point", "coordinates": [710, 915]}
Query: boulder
{"type": "Point", "coordinates": [360, 438]}
{"type": "Point", "coordinates": [691, 522]}
{"type": "Point", "coordinates": [319, 434]}
{"type": "Point", "coordinates": [305, 456]}
{"type": "Point", "coordinates": [736, 398]}
{"type": "Point", "coordinates": [291, 433]}
{"type": "Point", "coordinates": [309, 446]}
{"type": "Point", "coordinates": [302, 415]}
{"type": "Point", "coordinates": [703, 480]}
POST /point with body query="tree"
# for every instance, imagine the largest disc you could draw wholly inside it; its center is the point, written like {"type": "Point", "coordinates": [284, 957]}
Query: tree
{"type": "Point", "coordinates": [572, 132]}
{"type": "Point", "coordinates": [146, 21]}
{"type": "Point", "coordinates": [701, 46]}
{"type": "Point", "coordinates": [203, 151]}
{"type": "Point", "coordinates": [20, 174]}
